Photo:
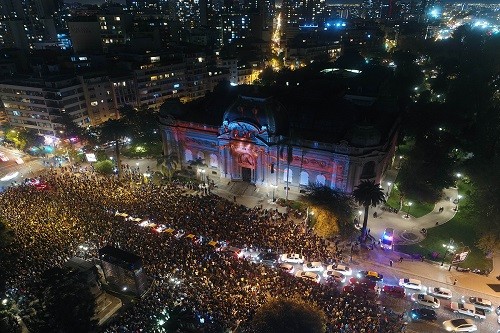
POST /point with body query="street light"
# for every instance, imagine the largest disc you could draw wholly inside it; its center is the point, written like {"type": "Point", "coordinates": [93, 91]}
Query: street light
{"type": "Point", "coordinates": [458, 201]}
{"type": "Point", "coordinates": [448, 247]}
{"type": "Point", "coordinates": [360, 212]}
{"type": "Point", "coordinates": [274, 188]}
{"type": "Point", "coordinates": [408, 211]}
{"type": "Point", "coordinates": [459, 176]}
{"type": "Point", "coordinates": [388, 187]}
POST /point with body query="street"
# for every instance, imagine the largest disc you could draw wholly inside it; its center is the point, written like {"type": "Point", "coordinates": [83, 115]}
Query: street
{"type": "Point", "coordinates": [11, 171]}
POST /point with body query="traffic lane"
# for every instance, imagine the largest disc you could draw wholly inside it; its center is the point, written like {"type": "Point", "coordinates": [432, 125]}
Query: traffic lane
{"type": "Point", "coordinates": [404, 305]}
{"type": "Point", "coordinates": [391, 277]}
{"type": "Point", "coordinates": [18, 172]}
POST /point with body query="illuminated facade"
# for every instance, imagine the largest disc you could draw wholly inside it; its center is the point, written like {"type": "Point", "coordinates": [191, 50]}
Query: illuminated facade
{"type": "Point", "coordinates": [249, 145]}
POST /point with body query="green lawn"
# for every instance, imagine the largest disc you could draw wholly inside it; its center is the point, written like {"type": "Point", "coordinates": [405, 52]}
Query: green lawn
{"type": "Point", "coordinates": [460, 230]}
{"type": "Point", "coordinates": [418, 208]}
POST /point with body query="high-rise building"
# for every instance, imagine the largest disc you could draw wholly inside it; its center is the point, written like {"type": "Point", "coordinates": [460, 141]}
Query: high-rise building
{"type": "Point", "coordinates": [85, 34]}
{"type": "Point", "coordinates": [38, 104]}
{"type": "Point", "coordinates": [99, 95]}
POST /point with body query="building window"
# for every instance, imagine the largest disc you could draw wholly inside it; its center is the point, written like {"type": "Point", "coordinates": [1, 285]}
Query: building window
{"type": "Point", "coordinates": [287, 175]}
{"type": "Point", "coordinates": [188, 155]}
{"type": "Point", "coordinates": [304, 178]}
{"type": "Point", "coordinates": [214, 163]}
{"type": "Point", "coordinates": [320, 180]}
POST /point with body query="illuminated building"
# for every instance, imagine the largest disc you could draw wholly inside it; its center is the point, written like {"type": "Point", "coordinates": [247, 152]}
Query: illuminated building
{"type": "Point", "coordinates": [38, 104]}
{"type": "Point", "coordinates": [247, 138]}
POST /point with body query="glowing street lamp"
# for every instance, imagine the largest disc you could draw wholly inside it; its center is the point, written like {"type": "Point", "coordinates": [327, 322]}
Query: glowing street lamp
{"type": "Point", "coordinates": [458, 201]}
{"type": "Point", "coordinates": [408, 211]}
{"type": "Point", "coordinates": [388, 187]}
{"type": "Point", "coordinates": [450, 247]}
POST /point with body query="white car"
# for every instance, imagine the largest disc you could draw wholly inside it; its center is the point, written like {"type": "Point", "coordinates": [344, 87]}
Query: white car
{"type": "Point", "coordinates": [468, 310]}
{"type": "Point", "coordinates": [426, 300]}
{"type": "Point", "coordinates": [411, 284]}
{"type": "Point", "coordinates": [440, 292]}
{"type": "Point", "coordinates": [346, 270]}
{"type": "Point", "coordinates": [288, 268]}
{"type": "Point", "coordinates": [293, 258]}
{"type": "Point", "coordinates": [3, 157]}
{"type": "Point", "coordinates": [313, 266]}
{"type": "Point", "coordinates": [311, 276]}
{"type": "Point", "coordinates": [478, 302]}
{"type": "Point", "coordinates": [459, 325]}
{"type": "Point", "coordinates": [337, 276]}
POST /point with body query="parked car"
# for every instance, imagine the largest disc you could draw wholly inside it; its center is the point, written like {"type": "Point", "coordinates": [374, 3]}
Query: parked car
{"type": "Point", "coordinates": [346, 270]}
{"type": "Point", "coordinates": [426, 300]}
{"type": "Point", "coordinates": [440, 292]}
{"type": "Point", "coordinates": [359, 291]}
{"type": "Point", "coordinates": [293, 258]}
{"type": "Point", "coordinates": [288, 268]}
{"type": "Point", "coordinates": [478, 302]}
{"type": "Point", "coordinates": [423, 313]}
{"type": "Point", "coordinates": [336, 276]}
{"type": "Point", "coordinates": [468, 309]}
{"type": "Point", "coordinates": [411, 284]}
{"type": "Point", "coordinates": [233, 250]}
{"type": "Point", "coordinates": [365, 283]}
{"type": "Point", "coordinates": [395, 291]}
{"type": "Point", "coordinates": [313, 266]}
{"type": "Point", "coordinates": [268, 258]}
{"type": "Point", "coordinates": [371, 275]}
{"type": "Point", "coordinates": [310, 276]}
{"type": "Point", "coordinates": [460, 325]}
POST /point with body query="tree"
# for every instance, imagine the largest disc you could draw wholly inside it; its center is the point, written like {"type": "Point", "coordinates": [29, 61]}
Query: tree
{"type": "Point", "coordinates": [115, 130]}
{"type": "Point", "coordinates": [168, 164]}
{"type": "Point", "coordinates": [66, 303]}
{"type": "Point", "coordinates": [367, 194]}
{"type": "Point", "coordinates": [104, 167]}
{"type": "Point", "coordinates": [488, 243]}
{"type": "Point", "coordinates": [333, 209]}
{"type": "Point", "coordinates": [180, 320]}
{"type": "Point", "coordinates": [282, 315]}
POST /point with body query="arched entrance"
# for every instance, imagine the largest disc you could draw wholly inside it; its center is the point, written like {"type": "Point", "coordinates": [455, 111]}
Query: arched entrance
{"type": "Point", "coordinates": [246, 162]}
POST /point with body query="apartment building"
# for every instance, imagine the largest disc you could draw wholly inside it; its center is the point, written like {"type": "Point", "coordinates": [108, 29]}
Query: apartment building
{"type": "Point", "coordinates": [38, 104]}
{"type": "Point", "coordinates": [100, 98]}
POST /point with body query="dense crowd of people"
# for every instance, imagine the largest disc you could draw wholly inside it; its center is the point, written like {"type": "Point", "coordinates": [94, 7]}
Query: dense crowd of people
{"type": "Point", "coordinates": [222, 291]}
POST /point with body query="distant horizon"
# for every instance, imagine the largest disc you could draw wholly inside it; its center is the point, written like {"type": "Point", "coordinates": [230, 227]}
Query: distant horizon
{"type": "Point", "coordinates": [489, 2]}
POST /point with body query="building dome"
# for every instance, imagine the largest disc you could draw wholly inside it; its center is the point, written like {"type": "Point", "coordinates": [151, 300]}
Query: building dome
{"type": "Point", "coordinates": [365, 136]}
{"type": "Point", "coordinates": [258, 111]}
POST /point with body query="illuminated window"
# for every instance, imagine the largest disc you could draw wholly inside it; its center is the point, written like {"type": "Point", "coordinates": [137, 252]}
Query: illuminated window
{"type": "Point", "coordinates": [320, 180]}
{"type": "Point", "coordinates": [188, 155]}
{"type": "Point", "coordinates": [154, 78]}
{"type": "Point", "coordinates": [214, 161]}
{"type": "Point", "coordinates": [304, 178]}
{"type": "Point", "coordinates": [93, 103]}
{"type": "Point", "coordinates": [117, 18]}
{"type": "Point", "coordinates": [287, 175]}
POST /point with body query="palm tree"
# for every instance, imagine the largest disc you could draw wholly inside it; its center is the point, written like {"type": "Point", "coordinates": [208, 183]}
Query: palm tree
{"type": "Point", "coordinates": [115, 130]}
{"type": "Point", "coordinates": [167, 163]}
{"type": "Point", "coordinates": [367, 194]}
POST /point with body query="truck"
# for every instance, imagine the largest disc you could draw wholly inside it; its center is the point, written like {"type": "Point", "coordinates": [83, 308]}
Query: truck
{"type": "Point", "coordinates": [468, 310]}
